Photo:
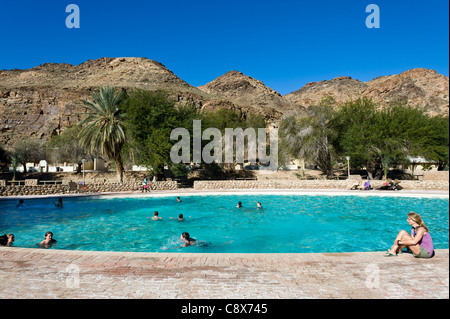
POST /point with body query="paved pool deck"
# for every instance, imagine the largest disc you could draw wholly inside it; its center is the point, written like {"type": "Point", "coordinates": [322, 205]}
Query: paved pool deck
{"type": "Point", "coordinates": [39, 273]}
{"type": "Point", "coordinates": [27, 273]}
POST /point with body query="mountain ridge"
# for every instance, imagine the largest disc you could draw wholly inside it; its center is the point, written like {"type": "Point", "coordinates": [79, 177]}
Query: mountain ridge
{"type": "Point", "coordinates": [42, 101]}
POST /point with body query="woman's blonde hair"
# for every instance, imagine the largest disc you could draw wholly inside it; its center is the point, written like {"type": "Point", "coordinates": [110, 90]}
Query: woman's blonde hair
{"type": "Point", "coordinates": [416, 217]}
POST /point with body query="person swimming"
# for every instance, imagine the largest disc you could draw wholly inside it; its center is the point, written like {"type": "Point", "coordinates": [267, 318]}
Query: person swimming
{"type": "Point", "coordinates": [20, 203]}
{"type": "Point", "coordinates": [239, 205]}
{"type": "Point", "coordinates": [188, 241]}
{"type": "Point", "coordinates": [179, 200]}
{"type": "Point", "coordinates": [7, 240]}
{"type": "Point", "coordinates": [156, 216]}
{"type": "Point", "coordinates": [59, 203]}
{"type": "Point", "coordinates": [180, 217]}
{"type": "Point", "coordinates": [48, 241]}
{"type": "Point", "coordinates": [258, 205]}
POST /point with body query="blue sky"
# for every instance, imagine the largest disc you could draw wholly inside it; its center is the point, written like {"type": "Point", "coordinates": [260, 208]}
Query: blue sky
{"type": "Point", "coordinates": [284, 43]}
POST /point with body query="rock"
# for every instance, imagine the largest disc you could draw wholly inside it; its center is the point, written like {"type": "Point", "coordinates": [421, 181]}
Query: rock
{"type": "Point", "coordinates": [44, 100]}
{"type": "Point", "coordinates": [420, 87]}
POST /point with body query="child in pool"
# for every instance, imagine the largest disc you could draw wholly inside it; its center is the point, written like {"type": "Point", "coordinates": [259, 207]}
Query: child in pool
{"type": "Point", "coordinates": [6, 240]}
{"type": "Point", "coordinates": [48, 241]}
{"type": "Point", "coordinates": [156, 216]}
{"type": "Point", "coordinates": [188, 241]}
{"type": "Point", "coordinates": [180, 217]}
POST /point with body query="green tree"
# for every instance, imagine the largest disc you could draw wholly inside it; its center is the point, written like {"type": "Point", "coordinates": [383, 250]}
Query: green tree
{"type": "Point", "coordinates": [67, 147]}
{"type": "Point", "coordinates": [309, 137]}
{"type": "Point", "coordinates": [28, 150]}
{"type": "Point", "coordinates": [103, 129]}
{"type": "Point", "coordinates": [378, 139]}
{"type": "Point", "coordinates": [225, 118]}
{"type": "Point", "coordinates": [150, 117]}
{"type": "Point", "coordinates": [435, 145]}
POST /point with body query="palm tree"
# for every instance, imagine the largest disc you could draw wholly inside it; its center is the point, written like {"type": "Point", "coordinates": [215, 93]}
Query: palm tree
{"type": "Point", "coordinates": [103, 128]}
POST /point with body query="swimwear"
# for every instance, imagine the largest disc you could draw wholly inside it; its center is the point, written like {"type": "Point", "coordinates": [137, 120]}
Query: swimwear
{"type": "Point", "coordinates": [426, 246]}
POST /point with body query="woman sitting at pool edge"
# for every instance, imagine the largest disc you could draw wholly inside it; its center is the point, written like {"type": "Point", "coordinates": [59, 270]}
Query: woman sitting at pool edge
{"type": "Point", "coordinates": [419, 242]}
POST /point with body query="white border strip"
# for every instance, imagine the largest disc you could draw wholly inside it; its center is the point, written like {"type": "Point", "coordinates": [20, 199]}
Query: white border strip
{"type": "Point", "coordinates": [238, 192]}
{"type": "Point", "coordinates": [303, 192]}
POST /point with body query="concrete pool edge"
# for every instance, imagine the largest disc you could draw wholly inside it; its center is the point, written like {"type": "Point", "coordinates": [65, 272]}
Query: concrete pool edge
{"type": "Point", "coordinates": [178, 254]}
{"type": "Point", "coordinates": [42, 273]}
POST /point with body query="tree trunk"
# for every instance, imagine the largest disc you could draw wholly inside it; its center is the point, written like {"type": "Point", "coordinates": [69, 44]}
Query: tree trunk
{"type": "Point", "coordinates": [119, 167]}
{"type": "Point", "coordinates": [24, 167]}
{"type": "Point", "coordinates": [375, 169]}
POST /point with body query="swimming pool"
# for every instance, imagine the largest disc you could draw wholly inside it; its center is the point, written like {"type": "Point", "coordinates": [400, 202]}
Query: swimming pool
{"type": "Point", "coordinates": [286, 224]}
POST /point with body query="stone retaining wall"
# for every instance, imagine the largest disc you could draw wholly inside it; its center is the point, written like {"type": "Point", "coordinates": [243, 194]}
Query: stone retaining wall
{"type": "Point", "coordinates": [436, 176]}
{"type": "Point", "coordinates": [312, 184]}
{"type": "Point", "coordinates": [28, 190]}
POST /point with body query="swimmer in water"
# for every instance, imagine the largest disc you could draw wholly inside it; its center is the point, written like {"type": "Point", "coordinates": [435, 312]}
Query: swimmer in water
{"type": "Point", "coordinates": [258, 205]}
{"type": "Point", "coordinates": [188, 241]}
{"type": "Point", "coordinates": [20, 203]}
{"type": "Point", "coordinates": [239, 205]}
{"type": "Point", "coordinates": [180, 217]}
{"type": "Point", "coordinates": [156, 216]}
{"type": "Point", "coordinates": [179, 200]}
{"type": "Point", "coordinates": [6, 240]}
{"type": "Point", "coordinates": [48, 241]}
{"type": "Point", "coordinates": [59, 203]}
{"type": "Point", "coordinates": [11, 239]}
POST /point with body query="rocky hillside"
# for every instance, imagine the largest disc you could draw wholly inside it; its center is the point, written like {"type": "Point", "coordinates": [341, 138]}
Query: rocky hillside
{"type": "Point", "coordinates": [43, 100]}
{"type": "Point", "coordinates": [249, 93]}
{"type": "Point", "coordinates": [119, 72]}
{"type": "Point", "coordinates": [422, 87]}
{"type": "Point", "coordinates": [341, 89]}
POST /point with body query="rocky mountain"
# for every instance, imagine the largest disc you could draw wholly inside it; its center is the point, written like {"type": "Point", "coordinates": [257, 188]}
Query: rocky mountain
{"type": "Point", "coordinates": [118, 72]}
{"type": "Point", "coordinates": [43, 100]}
{"type": "Point", "coordinates": [341, 89]}
{"type": "Point", "coordinates": [421, 87]}
{"type": "Point", "coordinates": [249, 93]}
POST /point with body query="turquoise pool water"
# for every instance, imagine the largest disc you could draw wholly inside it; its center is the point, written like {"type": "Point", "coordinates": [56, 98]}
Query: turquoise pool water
{"type": "Point", "coordinates": [286, 224]}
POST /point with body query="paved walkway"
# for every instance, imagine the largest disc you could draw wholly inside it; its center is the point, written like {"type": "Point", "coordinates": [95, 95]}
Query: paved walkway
{"type": "Point", "coordinates": [41, 273]}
